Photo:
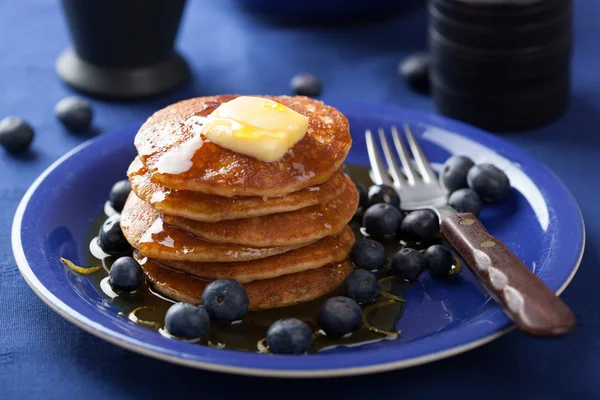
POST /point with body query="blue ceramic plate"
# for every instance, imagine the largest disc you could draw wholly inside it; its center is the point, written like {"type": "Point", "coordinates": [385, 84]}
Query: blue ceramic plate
{"type": "Point", "coordinates": [540, 222]}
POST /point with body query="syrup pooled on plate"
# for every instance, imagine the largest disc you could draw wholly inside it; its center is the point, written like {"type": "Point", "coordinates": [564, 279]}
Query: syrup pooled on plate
{"type": "Point", "coordinates": [381, 317]}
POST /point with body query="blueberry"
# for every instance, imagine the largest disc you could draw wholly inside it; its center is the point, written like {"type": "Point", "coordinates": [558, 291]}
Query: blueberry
{"type": "Point", "coordinates": [454, 173]}
{"type": "Point", "coordinates": [111, 239]}
{"type": "Point", "coordinates": [419, 226]}
{"type": "Point", "coordinates": [15, 135]}
{"type": "Point", "coordinates": [187, 321]}
{"type": "Point", "coordinates": [408, 264]}
{"type": "Point", "coordinates": [439, 260]}
{"type": "Point", "coordinates": [118, 194]}
{"type": "Point", "coordinates": [382, 219]}
{"type": "Point", "coordinates": [363, 199]}
{"type": "Point", "coordinates": [306, 85]}
{"type": "Point", "coordinates": [368, 254]}
{"type": "Point", "coordinates": [489, 181]}
{"type": "Point", "coordinates": [361, 286]}
{"type": "Point", "coordinates": [383, 194]}
{"type": "Point", "coordinates": [126, 275]}
{"type": "Point", "coordinates": [289, 336]}
{"type": "Point", "coordinates": [74, 113]}
{"type": "Point", "coordinates": [466, 200]}
{"type": "Point", "coordinates": [339, 316]}
{"type": "Point", "coordinates": [225, 300]}
{"type": "Point", "coordinates": [415, 71]}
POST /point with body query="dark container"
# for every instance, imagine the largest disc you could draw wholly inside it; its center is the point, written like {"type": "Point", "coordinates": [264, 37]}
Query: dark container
{"type": "Point", "coordinates": [123, 48]}
{"type": "Point", "coordinates": [502, 65]}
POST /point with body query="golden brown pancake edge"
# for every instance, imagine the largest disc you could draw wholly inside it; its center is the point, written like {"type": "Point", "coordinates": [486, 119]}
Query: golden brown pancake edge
{"type": "Point", "coordinates": [285, 229]}
{"type": "Point", "coordinates": [172, 243]}
{"type": "Point", "coordinates": [327, 250]}
{"type": "Point", "coordinates": [211, 208]}
{"type": "Point", "coordinates": [264, 294]}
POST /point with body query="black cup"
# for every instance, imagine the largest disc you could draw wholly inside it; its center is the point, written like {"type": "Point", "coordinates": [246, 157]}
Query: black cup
{"type": "Point", "coordinates": [123, 48]}
{"type": "Point", "coordinates": [501, 65]}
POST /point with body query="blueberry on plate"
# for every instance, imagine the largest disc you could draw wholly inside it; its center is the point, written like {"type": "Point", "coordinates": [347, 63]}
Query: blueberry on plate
{"type": "Point", "coordinates": [361, 286]}
{"type": "Point", "coordinates": [126, 275]}
{"type": "Point", "coordinates": [419, 226]}
{"type": "Point", "coordinates": [306, 85]}
{"type": "Point", "coordinates": [415, 71]}
{"type": "Point", "coordinates": [187, 321]}
{"type": "Point", "coordinates": [15, 135]}
{"type": "Point", "coordinates": [408, 264]}
{"type": "Point", "coordinates": [118, 194]}
{"type": "Point", "coordinates": [454, 172]}
{"type": "Point", "coordinates": [74, 113]}
{"type": "Point", "coordinates": [439, 260]}
{"type": "Point", "coordinates": [339, 316]}
{"type": "Point", "coordinates": [489, 181]}
{"type": "Point", "coordinates": [368, 254]}
{"type": "Point", "coordinates": [363, 199]}
{"type": "Point", "coordinates": [383, 194]}
{"type": "Point", "coordinates": [466, 200]}
{"type": "Point", "coordinates": [382, 220]}
{"type": "Point", "coordinates": [289, 336]}
{"type": "Point", "coordinates": [225, 300]}
{"type": "Point", "coordinates": [111, 239]}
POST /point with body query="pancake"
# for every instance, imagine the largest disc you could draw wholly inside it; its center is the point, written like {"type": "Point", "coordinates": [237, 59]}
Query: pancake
{"type": "Point", "coordinates": [285, 229]}
{"type": "Point", "coordinates": [327, 250]}
{"type": "Point", "coordinates": [169, 142]}
{"type": "Point", "coordinates": [282, 291]}
{"type": "Point", "coordinates": [210, 208]}
{"type": "Point", "coordinates": [146, 232]}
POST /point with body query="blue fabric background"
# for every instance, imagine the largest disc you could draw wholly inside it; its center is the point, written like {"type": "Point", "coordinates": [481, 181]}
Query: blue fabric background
{"type": "Point", "coordinates": [43, 356]}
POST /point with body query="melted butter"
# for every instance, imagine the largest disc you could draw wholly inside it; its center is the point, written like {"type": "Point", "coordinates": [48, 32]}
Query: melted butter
{"type": "Point", "coordinates": [107, 289]}
{"type": "Point", "coordinates": [179, 159]}
{"type": "Point", "coordinates": [257, 127]}
{"type": "Point", "coordinates": [157, 235]}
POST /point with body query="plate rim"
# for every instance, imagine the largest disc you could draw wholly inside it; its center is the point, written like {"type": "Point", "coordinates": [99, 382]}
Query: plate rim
{"type": "Point", "coordinates": [98, 330]}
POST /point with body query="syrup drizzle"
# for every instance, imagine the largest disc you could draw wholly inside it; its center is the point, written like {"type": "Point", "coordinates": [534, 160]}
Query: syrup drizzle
{"type": "Point", "coordinates": [380, 318]}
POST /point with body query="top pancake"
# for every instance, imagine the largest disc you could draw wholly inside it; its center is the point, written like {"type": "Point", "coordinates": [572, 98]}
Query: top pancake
{"type": "Point", "coordinates": [167, 135]}
{"type": "Point", "coordinates": [204, 207]}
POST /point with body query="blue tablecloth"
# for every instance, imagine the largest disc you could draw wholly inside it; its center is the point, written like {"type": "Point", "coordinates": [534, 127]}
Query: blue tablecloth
{"type": "Point", "coordinates": [44, 356]}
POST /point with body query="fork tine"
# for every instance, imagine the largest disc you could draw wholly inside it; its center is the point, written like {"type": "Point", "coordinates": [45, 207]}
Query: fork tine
{"type": "Point", "coordinates": [407, 166]}
{"type": "Point", "coordinates": [380, 174]}
{"type": "Point", "coordinates": [395, 170]}
{"type": "Point", "coordinates": [422, 161]}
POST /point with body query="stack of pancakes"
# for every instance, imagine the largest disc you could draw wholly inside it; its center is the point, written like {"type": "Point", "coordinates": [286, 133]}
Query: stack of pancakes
{"type": "Point", "coordinates": [200, 212]}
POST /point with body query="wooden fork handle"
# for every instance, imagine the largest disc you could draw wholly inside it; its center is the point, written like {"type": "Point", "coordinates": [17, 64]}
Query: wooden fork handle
{"type": "Point", "coordinates": [528, 302]}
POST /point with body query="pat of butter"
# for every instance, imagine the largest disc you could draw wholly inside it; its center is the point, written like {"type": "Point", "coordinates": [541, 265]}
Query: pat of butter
{"type": "Point", "coordinates": [257, 127]}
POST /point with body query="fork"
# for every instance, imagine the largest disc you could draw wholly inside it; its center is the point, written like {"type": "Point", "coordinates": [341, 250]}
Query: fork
{"type": "Point", "coordinates": [530, 304]}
